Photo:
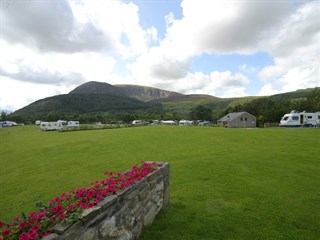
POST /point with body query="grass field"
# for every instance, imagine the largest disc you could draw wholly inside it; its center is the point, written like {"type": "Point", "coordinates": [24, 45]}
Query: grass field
{"type": "Point", "coordinates": [225, 183]}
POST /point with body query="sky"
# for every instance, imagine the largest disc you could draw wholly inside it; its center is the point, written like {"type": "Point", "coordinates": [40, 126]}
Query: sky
{"type": "Point", "coordinates": [219, 47]}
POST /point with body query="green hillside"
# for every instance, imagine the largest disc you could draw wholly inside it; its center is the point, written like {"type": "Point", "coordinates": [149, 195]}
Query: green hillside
{"type": "Point", "coordinates": [84, 104]}
{"type": "Point", "coordinates": [97, 101]}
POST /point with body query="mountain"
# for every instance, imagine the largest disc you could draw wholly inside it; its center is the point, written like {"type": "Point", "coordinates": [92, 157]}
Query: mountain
{"type": "Point", "coordinates": [140, 93]}
{"type": "Point", "coordinates": [98, 97]}
{"type": "Point", "coordinates": [84, 103]}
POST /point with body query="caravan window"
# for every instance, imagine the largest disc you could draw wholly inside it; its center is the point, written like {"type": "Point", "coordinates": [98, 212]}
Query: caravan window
{"type": "Point", "coordinates": [309, 117]}
{"type": "Point", "coordinates": [295, 118]}
{"type": "Point", "coordinates": [285, 118]}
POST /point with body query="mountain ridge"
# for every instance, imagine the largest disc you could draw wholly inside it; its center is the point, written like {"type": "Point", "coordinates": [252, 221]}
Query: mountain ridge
{"type": "Point", "coordinates": [141, 93]}
{"type": "Point", "coordinates": [99, 97]}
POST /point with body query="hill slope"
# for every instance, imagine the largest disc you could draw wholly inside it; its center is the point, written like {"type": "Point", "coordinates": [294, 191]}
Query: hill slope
{"type": "Point", "coordinates": [98, 97]}
{"type": "Point", "coordinates": [84, 103]}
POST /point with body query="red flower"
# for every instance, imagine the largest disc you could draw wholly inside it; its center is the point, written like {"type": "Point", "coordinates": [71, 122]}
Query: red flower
{"type": "Point", "coordinates": [24, 236]}
{"type": "Point", "coordinates": [2, 224]}
{"type": "Point", "coordinates": [41, 216]}
{"type": "Point", "coordinates": [71, 207]}
{"type": "Point", "coordinates": [23, 225]}
{"type": "Point", "coordinates": [6, 232]}
{"type": "Point", "coordinates": [33, 235]}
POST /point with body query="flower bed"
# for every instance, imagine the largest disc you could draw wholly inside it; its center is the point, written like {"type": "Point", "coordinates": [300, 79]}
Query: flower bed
{"type": "Point", "coordinates": [68, 207]}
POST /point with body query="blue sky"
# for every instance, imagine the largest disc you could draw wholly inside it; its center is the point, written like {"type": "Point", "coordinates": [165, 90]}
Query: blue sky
{"type": "Point", "coordinates": [223, 48]}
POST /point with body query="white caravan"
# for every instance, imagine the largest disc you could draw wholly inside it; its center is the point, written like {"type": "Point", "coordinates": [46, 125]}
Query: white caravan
{"type": "Point", "coordinates": [73, 124]}
{"type": "Point", "coordinates": [300, 119]}
{"type": "Point", "coordinates": [168, 122]}
{"type": "Point", "coordinates": [50, 126]}
{"type": "Point", "coordinates": [186, 123]}
{"type": "Point", "coordinates": [138, 122]}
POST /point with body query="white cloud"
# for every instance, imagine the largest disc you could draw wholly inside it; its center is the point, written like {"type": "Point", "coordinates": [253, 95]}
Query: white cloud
{"type": "Point", "coordinates": [16, 94]}
{"type": "Point", "coordinates": [23, 64]}
{"type": "Point", "coordinates": [65, 43]}
{"type": "Point", "coordinates": [296, 53]}
{"type": "Point", "coordinates": [120, 21]}
{"type": "Point", "coordinates": [231, 26]}
{"type": "Point", "coordinates": [49, 26]}
{"type": "Point", "coordinates": [287, 32]}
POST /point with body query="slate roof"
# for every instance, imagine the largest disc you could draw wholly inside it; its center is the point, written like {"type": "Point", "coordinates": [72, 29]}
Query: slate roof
{"type": "Point", "coordinates": [231, 116]}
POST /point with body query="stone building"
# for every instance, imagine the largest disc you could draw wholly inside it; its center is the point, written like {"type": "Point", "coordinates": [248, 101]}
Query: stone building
{"type": "Point", "coordinates": [238, 120]}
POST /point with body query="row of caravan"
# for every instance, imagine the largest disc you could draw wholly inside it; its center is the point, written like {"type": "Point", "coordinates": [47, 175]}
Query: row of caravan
{"type": "Point", "coordinates": [48, 126]}
{"type": "Point", "coordinates": [300, 119]}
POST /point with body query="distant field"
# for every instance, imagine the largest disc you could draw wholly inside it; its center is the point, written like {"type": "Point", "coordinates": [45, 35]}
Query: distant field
{"type": "Point", "coordinates": [225, 183]}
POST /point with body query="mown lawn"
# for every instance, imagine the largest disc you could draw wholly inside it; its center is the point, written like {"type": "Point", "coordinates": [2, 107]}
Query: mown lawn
{"type": "Point", "coordinates": [225, 183]}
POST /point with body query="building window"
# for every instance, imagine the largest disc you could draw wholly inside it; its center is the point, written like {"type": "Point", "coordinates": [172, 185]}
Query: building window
{"type": "Point", "coordinates": [241, 119]}
{"type": "Point", "coordinates": [245, 119]}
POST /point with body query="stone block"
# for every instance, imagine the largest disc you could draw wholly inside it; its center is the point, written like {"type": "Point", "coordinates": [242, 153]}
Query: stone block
{"type": "Point", "coordinates": [89, 213]}
{"type": "Point", "coordinates": [152, 176]}
{"type": "Point", "coordinates": [122, 192]}
{"type": "Point", "coordinates": [60, 228]}
{"type": "Point", "coordinates": [108, 201]}
{"type": "Point", "coordinates": [166, 197]}
{"type": "Point", "coordinates": [108, 226]}
{"type": "Point", "coordinates": [90, 234]}
{"type": "Point", "coordinates": [159, 186]}
{"type": "Point", "coordinates": [106, 213]}
{"type": "Point", "coordinates": [165, 169]}
{"type": "Point", "coordinates": [150, 215]}
{"type": "Point", "coordinates": [52, 236]}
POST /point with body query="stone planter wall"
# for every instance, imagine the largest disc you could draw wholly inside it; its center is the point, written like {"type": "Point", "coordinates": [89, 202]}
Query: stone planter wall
{"type": "Point", "coordinates": [121, 216]}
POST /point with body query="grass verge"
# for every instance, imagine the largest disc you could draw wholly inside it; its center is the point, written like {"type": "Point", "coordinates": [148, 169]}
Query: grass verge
{"type": "Point", "coordinates": [225, 183]}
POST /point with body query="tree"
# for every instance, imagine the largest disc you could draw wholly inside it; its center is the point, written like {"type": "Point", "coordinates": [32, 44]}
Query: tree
{"type": "Point", "coordinates": [201, 113]}
{"type": "Point", "coordinates": [313, 100]}
{"type": "Point", "coordinates": [3, 116]}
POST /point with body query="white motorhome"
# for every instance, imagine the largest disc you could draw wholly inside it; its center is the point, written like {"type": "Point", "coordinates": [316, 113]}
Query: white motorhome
{"type": "Point", "coordinates": [300, 119]}
{"type": "Point", "coordinates": [50, 126]}
{"type": "Point", "coordinates": [63, 122]}
{"type": "Point", "coordinates": [138, 122]}
{"type": "Point", "coordinates": [73, 124]}
{"type": "Point", "coordinates": [186, 123]}
{"type": "Point", "coordinates": [168, 122]}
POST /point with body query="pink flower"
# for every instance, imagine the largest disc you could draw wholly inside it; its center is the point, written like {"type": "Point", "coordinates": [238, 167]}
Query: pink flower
{"type": "Point", "coordinates": [71, 207]}
{"type": "Point", "coordinates": [41, 216]}
{"type": "Point", "coordinates": [35, 228]}
{"type": "Point", "coordinates": [24, 236]}
{"type": "Point", "coordinates": [2, 224]}
{"type": "Point", "coordinates": [6, 232]}
{"type": "Point", "coordinates": [33, 235]}
{"type": "Point", "coordinates": [23, 225]}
